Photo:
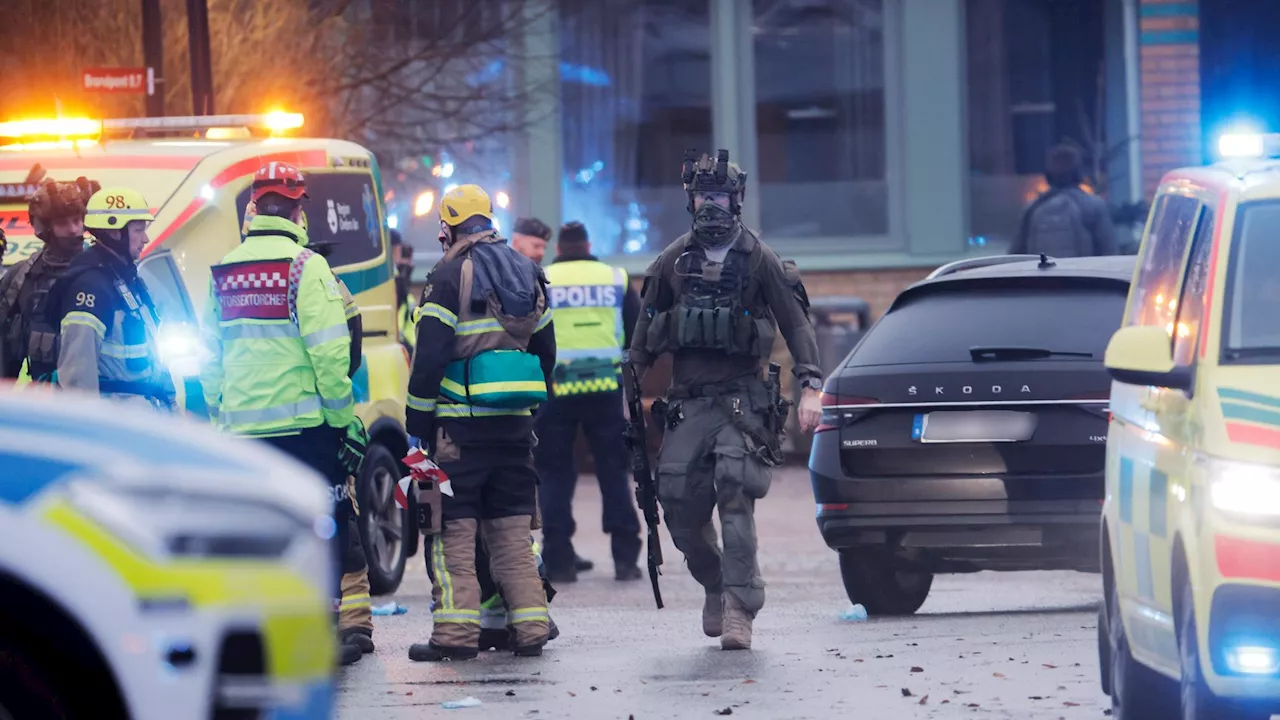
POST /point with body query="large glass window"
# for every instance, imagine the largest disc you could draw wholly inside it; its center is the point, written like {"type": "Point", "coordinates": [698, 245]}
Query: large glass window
{"type": "Point", "coordinates": [1034, 71]}
{"type": "Point", "coordinates": [1253, 290]}
{"type": "Point", "coordinates": [635, 91]}
{"type": "Point", "coordinates": [820, 118]}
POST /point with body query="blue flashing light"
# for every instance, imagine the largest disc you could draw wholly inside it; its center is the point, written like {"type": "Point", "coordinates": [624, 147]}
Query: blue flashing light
{"type": "Point", "coordinates": [569, 72]}
{"type": "Point", "coordinates": [393, 222]}
{"type": "Point", "coordinates": [1241, 145]}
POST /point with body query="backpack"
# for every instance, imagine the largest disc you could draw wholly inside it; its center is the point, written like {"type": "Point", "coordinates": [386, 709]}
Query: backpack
{"type": "Point", "coordinates": [1057, 228]}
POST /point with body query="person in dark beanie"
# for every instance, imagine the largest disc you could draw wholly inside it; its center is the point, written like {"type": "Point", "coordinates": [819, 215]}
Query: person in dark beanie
{"type": "Point", "coordinates": [529, 237]}
{"type": "Point", "coordinates": [1065, 221]}
{"type": "Point", "coordinates": [595, 309]}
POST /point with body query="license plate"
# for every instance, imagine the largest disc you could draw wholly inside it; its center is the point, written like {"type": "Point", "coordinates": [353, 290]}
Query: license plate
{"type": "Point", "coordinates": [974, 426]}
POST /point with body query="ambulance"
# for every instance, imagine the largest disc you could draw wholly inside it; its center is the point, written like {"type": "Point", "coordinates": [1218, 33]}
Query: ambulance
{"type": "Point", "coordinates": [196, 172]}
{"type": "Point", "coordinates": [1191, 517]}
{"type": "Point", "coordinates": [153, 569]}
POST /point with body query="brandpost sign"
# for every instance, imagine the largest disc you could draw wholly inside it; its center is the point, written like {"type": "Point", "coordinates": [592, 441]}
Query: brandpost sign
{"type": "Point", "coordinates": [119, 80]}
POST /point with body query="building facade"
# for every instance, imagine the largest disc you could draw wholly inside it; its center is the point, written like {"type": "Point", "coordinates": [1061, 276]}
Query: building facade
{"type": "Point", "coordinates": [882, 138]}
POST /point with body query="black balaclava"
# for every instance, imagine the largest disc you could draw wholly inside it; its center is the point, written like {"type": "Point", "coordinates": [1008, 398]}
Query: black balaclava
{"type": "Point", "coordinates": [714, 226]}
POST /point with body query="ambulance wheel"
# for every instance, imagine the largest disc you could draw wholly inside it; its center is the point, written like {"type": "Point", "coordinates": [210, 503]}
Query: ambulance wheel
{"type": "Point", "coordinates": [1137, 692]}
{"type": "Point", "coordinates": [384, 525]}
{"type": "Point", "coordinates": [1198, 701]}
{"type": "Point", "coordinates": [872, 580]}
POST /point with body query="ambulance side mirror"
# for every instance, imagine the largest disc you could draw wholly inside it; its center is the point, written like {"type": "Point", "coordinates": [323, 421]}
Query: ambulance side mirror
{"type": "Point", "coordinates": [1143, 355]}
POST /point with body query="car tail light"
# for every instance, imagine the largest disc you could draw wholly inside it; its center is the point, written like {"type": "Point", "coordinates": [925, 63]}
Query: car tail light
{"type": "Point", "coordinates": [833, 404]}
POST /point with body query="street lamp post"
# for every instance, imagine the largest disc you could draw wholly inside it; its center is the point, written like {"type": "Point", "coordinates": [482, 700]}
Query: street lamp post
{"type": "Point", "coordinates": [153, 54]}
{"type": "Point", "coordinates": [201, 61]}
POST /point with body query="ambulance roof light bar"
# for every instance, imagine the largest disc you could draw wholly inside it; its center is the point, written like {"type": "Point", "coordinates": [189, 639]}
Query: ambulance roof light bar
{"type": "Point", "coordinates": [272, 121]}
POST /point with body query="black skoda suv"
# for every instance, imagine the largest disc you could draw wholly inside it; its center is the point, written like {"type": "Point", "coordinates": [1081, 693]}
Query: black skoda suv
{"type": "Point", "coordinates": [967, 430]}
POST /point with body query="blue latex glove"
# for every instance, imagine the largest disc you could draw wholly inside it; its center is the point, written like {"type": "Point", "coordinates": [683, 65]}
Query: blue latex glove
{"type": "Point", "coordinates": [414, 442]}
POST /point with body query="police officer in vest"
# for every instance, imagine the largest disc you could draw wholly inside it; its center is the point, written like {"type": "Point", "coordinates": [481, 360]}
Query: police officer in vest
{"type": "Point", "coordinates": [106, 317]}
{"type": "Point", "coordinates": [486, 350]}
{"type": "Point", "coordinates": [595, 309]}
{"type": "Point", "coordinates": [714, 299]}
{"type": "Point", "coordinates": [27, 337]}
{"type": "Point", "coordinates": [280, 348]}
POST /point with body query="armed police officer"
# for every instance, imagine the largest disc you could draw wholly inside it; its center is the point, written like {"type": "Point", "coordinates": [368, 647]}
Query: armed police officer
{"type": "Point", "coordinates": [106, 318]}
{"type": "Point", "coordinates": [27, 338]}
{"type": "Point", "coordinates": [485, 354]}
{"type": "Point", "coordinates": [714, 300]}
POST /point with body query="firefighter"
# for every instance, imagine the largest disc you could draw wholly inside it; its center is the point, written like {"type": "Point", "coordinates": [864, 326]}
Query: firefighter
{"type": "Point", "coordinates": [280, 348]}
{"type": "Point", "coordinates": [106, 318]}
{"type": "Point", "coordinates": [56, 211]}
{"type": "Point", "coordinates": [486, 350]}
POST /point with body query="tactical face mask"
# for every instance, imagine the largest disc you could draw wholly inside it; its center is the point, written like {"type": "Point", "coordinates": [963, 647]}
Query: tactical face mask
{"type": "Point", "coordinates": [713, 224]}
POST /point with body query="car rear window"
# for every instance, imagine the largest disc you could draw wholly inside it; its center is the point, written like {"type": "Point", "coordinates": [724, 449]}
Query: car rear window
{"type": "Point", "coordinates": [940, 325]}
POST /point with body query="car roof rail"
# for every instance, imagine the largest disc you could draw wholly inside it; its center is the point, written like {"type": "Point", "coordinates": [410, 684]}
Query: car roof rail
{"type": "Point", "coordinates": [980, 262]}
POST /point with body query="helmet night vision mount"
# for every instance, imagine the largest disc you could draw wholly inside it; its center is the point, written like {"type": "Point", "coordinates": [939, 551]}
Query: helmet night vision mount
{"type": "Point", "coordinates": [702, 174]}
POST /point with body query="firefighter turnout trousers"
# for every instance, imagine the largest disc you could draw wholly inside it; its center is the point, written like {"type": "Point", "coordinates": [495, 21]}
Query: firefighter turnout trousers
{"type": "Point", "coordinates": [494, 493]}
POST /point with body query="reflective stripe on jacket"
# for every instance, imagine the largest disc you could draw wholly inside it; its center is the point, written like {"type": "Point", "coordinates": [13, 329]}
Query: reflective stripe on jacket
{"type": "Point", "coordinates": [586, 299]}
{"type": "Point", "coordinates": [277, 335]}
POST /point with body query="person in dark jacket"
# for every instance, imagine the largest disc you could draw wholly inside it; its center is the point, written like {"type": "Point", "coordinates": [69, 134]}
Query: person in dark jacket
{"type": "Point", "coordinates": [1065, 221]}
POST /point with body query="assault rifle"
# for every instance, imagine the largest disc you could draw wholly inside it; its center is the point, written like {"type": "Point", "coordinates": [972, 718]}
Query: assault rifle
{"type": "Point", "coordinates": [646, 483]}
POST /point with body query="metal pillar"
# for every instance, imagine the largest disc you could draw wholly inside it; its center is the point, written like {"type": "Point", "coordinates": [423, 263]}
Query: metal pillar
{"type": "Point", "coordinates": [733, 98]}
{"type": "Point", "coordinates": [153, 54]}
{"type": "Point", "coordinates": [935, 127]}
{"type": "Point", "coordinates": [539, 158]}
{"type": "Point", "coordinates": [201, 60]}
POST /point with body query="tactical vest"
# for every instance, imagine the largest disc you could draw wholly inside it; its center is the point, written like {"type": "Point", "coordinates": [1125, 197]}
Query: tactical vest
{"type": "Point", "coordinates": [502, 305]}
{"type": "Point", "coordinates": [586, 299]}
{"type": "Point", "coordinates": [711, 309]}
{"type": "Point", "coordinates": [24, 307]}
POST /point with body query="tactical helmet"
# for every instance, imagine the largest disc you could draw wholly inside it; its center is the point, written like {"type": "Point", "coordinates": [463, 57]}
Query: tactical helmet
{"type": "Point", "coordinates": [702, 174]}
{"type": "Point", "coordinates": [56, 200]}
{"type": "Point", "coordinates": [465, 202]}
{"type": "Point", "coordinates": [113, 208]}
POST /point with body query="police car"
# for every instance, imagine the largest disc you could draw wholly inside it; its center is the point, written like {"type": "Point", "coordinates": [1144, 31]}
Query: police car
{"type": "Point", "coordinates": [196, 173]}
{"type": "Point", "coordinates": [1191, 520]}
{"type": "Point", "coordinates": [152, 568]}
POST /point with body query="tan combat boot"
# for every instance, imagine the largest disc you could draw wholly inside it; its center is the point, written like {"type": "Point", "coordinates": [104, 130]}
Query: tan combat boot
{"type": "Point", "coordinates": [713, 614]}
{"type": "Point", "coordinates": [737, 626]}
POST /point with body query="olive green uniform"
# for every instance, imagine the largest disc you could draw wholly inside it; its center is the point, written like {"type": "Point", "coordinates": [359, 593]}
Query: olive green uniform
{"type": "Point", "coordinates": [718, 319]}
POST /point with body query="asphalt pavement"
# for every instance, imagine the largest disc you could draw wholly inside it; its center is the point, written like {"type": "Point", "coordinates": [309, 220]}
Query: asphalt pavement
{"type": "Point", "coordinates": [991, 645]}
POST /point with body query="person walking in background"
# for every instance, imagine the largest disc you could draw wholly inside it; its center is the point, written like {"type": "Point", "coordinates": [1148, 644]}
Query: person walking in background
{"type": "Point", "coordinates": [595, 309]}
{"type": "Point", "coordinates": [1065, 221]}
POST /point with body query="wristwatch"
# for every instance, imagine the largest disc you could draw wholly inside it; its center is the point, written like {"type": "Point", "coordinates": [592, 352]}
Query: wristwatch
{"type": "Point", "coordinates": [811, 383]}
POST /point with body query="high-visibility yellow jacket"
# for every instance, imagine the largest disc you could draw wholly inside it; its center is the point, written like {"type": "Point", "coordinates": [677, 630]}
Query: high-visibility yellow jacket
{"type": "Point", "coordinates": [277, 334]}
{"type": "Point", "coordinates": [586, 298]}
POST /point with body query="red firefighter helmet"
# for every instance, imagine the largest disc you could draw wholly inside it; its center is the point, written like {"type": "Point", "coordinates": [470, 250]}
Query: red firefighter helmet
{"type": "Point", "coordinates": [279, 178]}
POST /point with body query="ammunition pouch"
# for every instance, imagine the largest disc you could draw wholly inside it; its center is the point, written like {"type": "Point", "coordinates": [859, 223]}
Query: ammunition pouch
{"type": "Point", "coordinates": [42, 351]}
{"type": "Point", "coordinates": [732, 330]}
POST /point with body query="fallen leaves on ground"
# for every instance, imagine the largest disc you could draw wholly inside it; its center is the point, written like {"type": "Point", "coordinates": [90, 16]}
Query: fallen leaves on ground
{"type": "Point", "coordinates": [906, 692]}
